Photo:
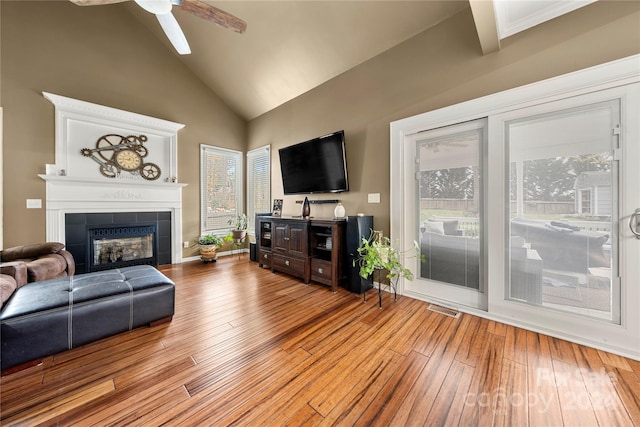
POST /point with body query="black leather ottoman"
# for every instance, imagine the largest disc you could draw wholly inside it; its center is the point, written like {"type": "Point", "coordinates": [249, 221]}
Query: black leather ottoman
{"type": "Point", "coordinates": [48, 317]}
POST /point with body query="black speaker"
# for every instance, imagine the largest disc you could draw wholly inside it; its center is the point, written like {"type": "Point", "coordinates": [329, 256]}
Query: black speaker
{"type": "Point", "coordinates": [357, 228]}
{"type": "Point", "coordinates": [253, 252]}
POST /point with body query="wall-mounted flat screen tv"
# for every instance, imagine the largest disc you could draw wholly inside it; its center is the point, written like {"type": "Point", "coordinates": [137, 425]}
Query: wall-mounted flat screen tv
{"type": "Point", "coordinates": [315, 166]}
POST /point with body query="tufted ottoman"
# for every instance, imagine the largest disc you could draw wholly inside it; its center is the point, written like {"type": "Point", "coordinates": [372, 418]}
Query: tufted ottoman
{"type": "Point", "coordinates": [47, 317]}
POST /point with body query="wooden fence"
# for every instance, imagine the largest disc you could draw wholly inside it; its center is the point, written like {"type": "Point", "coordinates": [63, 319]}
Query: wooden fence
{"type": "Point", "coordinates": [470, 205]}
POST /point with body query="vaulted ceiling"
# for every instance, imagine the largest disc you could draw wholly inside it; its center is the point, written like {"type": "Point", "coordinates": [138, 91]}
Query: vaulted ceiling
{"type": "Point", "coordinates": [290, 47]}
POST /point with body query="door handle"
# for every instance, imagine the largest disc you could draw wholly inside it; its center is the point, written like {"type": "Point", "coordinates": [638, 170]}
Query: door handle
{"type": "Point", "coordinates": [635, 219]}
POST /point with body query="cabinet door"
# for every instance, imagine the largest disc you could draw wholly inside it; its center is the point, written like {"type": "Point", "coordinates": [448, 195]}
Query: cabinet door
{"type": "Point", "coordinates": [280, 238]}
{"type": "Point", "coordinates": [298, 241]}
{"type": "Point", "coordinates": [263, 234]}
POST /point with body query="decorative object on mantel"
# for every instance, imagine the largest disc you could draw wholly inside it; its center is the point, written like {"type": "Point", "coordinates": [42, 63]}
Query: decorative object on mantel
{"type": "Point", "coordinates": [115, 153]}
{"type": "Point", "coordinates": [209, 245]}
{"type": "Point", "coordinates": [339, 211]}
{"type": "Point", "coordinates": [377, 254]}
{"type": "Point", "coordinates": [306, 208]}
{"type": "Point", "coordinates": [240, 224]}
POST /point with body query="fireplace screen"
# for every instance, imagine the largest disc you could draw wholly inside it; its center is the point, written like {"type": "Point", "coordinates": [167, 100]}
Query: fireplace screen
{"type": "Point", "coordinates": [121, 246]}
{"type": "Point", "coordinates": [107, 251]}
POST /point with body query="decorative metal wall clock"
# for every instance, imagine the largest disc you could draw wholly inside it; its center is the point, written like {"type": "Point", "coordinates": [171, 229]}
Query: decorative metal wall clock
{"type": "Point", "coordinates": [115, 153]}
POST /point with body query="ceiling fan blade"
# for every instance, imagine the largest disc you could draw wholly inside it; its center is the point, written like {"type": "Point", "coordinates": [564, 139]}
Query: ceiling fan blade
{"type": "Point", "coordinates": [174, 33]}
{"type": "Point", "coordinates": [158, 7]}
{"type": "Point", "coordinates": [213, 14]}
{"type": "Point", "coordinates": [95, 2]}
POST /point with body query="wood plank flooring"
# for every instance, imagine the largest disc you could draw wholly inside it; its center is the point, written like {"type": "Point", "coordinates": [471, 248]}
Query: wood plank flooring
{"type": "Point", "coordinates": [250, 348]}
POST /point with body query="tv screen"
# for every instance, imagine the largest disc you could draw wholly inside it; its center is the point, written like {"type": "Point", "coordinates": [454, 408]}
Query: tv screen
{"type": "Point", "coordinates": [315, 166]}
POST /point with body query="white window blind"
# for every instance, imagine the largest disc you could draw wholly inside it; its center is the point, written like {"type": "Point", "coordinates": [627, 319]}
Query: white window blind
{"type": "Point", "coordinates": [258, 183]}
{"type": "Point", "coordinates": [220, 187]}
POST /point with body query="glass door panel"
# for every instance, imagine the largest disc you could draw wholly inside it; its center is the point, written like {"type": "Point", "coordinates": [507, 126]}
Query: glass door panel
{"type": "Point", "coordinates": [563, 187]}
{"type": "Point", "coordinates": [450, 204]}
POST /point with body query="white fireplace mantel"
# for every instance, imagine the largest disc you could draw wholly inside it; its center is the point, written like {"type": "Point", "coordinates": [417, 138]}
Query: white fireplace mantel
{"type": "Point", "coordinates": [74, 184]}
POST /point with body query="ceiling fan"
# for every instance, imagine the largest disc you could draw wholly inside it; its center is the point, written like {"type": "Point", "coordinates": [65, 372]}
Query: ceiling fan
{"type": "Point", "coordinates": [162, 10]}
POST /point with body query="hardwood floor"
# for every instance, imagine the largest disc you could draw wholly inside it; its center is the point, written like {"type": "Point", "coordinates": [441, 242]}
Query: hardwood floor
{"type": "Point", "coordinates": [248, 347]}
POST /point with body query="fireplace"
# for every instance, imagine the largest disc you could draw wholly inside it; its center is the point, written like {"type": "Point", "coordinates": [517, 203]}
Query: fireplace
{"type": "Point", "coordinates": [79, 197]}
{"type": "Point", "coordinates": [121, 246]}
{"type": "Point", "coordinates": [101, 241]}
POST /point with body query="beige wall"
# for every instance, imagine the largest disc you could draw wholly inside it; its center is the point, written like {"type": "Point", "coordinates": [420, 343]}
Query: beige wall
{"type": "Point", "coordinates": [440, 67]}
{"type": "Point", "coordinates": [88, 54]}
{"type": "Point", "coordinates": [72, 51]}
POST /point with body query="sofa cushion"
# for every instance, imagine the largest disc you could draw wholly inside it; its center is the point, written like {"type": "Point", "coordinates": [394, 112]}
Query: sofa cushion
{"type": "Point", "coordinates": [56, 293]}
{"type": "Point", "coordinates": [15, 269]}
{"type": "Point", "coordinates": [450, 226]}
{"type": "Point", "coordinates": [31, 251]}
{"type": "Point", "coordinates": [7, 286]}
{"type": "Point", "coordinates": [436, 227]}
{"type": "Point", "coordinates": [46, 267]}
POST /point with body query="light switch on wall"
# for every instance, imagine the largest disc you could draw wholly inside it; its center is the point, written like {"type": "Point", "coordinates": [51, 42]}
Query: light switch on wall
{"type": "Point", "coordinates": [373, 198]}
{"type": "Point", "coordinates": [34, 203]}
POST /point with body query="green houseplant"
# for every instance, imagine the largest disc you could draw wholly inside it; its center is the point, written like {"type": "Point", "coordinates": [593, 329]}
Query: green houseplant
{"type": "Point", "coordinates": [377, 253]}
{"type": "Point", "coordinates": [239, 223]}
{"type": "Point", "coordinates": [209, 244]}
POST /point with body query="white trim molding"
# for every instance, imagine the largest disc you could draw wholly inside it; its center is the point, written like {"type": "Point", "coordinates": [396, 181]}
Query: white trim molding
{"type": "Point", "coordinates": [614, 80]}
{"type": "Point", "coordinates": [74, 184]}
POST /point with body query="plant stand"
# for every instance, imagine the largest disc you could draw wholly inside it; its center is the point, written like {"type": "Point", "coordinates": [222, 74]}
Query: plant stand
{"type": "Point", "coordinates": [391, 285]}
{"type": "Point", "coordinates": [237, 243]}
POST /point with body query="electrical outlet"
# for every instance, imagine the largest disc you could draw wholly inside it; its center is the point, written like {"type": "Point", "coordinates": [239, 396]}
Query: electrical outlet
{"type": "Point", "coordinates": [373, 198]}
{"type": "Point", "coordinates": [185, 244]}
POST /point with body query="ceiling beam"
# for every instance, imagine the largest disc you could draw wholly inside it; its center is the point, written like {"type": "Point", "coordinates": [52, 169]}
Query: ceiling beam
{"type": "Point", "coordinates": [485, 19]}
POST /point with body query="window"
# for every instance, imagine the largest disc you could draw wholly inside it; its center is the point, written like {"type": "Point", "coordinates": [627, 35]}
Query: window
{"type": "Point", "coordinates": [220, 187]}
{"type": "Point", "coordinates": [258, 183]}
{"type": "Point", "coordinates": [585, 201]}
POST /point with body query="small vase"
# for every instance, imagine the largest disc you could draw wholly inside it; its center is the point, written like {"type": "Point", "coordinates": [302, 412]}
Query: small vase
{"type": "Point", "coordinates": [306, 208]}
{"type": "Point", "coordinates": [339, 212]}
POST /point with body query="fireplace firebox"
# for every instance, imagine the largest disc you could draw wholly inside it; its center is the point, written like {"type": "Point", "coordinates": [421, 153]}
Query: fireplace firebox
{"type": "Point", "coordinates": [121, 246]}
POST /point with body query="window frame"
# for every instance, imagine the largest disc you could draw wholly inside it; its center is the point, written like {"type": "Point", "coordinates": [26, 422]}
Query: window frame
{"type": "Point", "coordinates": [239, 185]}
{"type": "Point", "coordinates": [585, 192]}
{"type": "Point", "coordinates": [252, 155]}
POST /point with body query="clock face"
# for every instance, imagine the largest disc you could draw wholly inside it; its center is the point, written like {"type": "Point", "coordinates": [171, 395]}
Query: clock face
{"type": "Point", "coordinates": [128, 160]}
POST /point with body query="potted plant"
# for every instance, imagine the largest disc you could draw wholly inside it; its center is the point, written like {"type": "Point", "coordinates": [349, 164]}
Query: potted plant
{"type": "Point", "coordinates": [240, 224]}
{"type": "Point", "coordinates": [209, 244]}
{"type": "Point", "coordinates": [378, 254]}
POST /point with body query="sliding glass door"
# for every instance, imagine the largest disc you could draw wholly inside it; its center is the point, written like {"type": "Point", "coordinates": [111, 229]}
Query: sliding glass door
{"type": "Point", "coordinates": [522, 204]}
{"type": "Point", "coordinates": [563, 209]}
{"type": "Point", "coordinates": [449, 191]}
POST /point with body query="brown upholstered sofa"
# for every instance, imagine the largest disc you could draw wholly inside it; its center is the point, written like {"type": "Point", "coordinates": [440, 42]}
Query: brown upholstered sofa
{"type": "Point", "coordinates": [43, 261]}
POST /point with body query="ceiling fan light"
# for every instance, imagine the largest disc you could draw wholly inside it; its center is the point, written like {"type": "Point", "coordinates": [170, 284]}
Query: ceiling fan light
{"type": "Point", "coordinates": [158, 7]}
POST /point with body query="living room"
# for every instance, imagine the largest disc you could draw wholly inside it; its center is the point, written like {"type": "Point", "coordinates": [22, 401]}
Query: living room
{"type": "Point", "coordinates": [75, 52]}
